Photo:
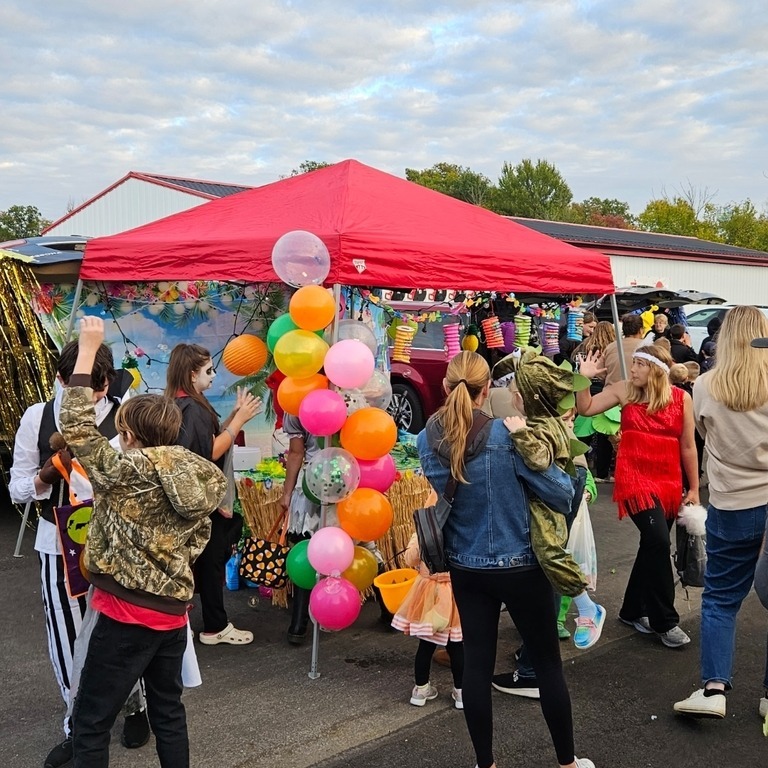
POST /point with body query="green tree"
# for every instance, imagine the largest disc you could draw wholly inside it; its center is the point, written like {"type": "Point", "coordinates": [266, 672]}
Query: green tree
{"type": "Point", "coordinates": [602, 212]}
{"type": "Point", "coordinates": [21, 221]}
{"type": "Point", "coordinates": [309, 165]}
{"type": "Point", "coordinates": [535, 191]}
{"type": "Point", "coordinates": [455, 181]}
{"type": "Point", "coordinates": [677, 216]}
{"type": "Point", "coordinates": [740, 224]}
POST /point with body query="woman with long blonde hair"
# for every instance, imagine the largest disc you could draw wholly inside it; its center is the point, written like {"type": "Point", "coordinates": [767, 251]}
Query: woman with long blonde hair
{"type": "Point", "coordinates": [657, 438]}
{"type": "Point", "coordinates": [730, 405]}
{"type": "Point", "coordinates": [488, 549]}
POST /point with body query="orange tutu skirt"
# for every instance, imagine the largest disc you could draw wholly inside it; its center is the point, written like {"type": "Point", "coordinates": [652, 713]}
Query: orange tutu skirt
{"type": "Point", "coordinates": [429, 611]}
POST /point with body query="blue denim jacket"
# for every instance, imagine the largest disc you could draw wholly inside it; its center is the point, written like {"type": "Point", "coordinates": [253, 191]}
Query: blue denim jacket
{"type": "Point", "coordinates": [489, 524]}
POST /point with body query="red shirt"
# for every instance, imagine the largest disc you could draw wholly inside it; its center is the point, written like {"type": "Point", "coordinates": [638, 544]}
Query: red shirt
{"type": "Point", "coordinates": [128, 613]}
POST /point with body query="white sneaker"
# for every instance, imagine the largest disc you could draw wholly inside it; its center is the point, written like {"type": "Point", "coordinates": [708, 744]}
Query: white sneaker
{"type": "Point", "coordinates": [458, 702]}
{"type": "Point", "coordinates": [699, 705]}
{"type": "Point", "coordinates": [764, 707]}
{"type": "Point", "coordinates": [421, 694]}
{"type": "Point", "coordinates": [583, 762]}
{"type": "Point", "coordinates": [674, 638]}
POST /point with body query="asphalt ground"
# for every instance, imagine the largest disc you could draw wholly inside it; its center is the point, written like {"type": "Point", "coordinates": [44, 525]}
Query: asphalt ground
{"type": "Point", "coordinates": [257, 707]}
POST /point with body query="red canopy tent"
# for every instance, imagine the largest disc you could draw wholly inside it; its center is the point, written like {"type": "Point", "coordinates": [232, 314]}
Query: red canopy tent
{"type": "Point", "coordinates": [381, 231]}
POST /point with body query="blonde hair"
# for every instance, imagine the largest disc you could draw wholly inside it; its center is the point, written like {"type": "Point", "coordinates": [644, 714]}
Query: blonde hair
{"type": "Point", "coordinates": [664, 343]}
{"type": "Point", "coordinates": [740, 379]}
{"type": "Point", "coordinates": [466, 376]}
{"type": "Point", "coordinates": [658, 390]}
{"type": "Point", "coordinates": [603, 335]}
{"type": "Point", "coordinates": [694, 369]}
{"type": "Point", "coordinates": [678, 373]}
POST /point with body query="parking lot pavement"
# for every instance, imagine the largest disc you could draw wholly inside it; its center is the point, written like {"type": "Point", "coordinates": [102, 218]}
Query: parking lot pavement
{"type": "Point", "coordinates": [257, 706]}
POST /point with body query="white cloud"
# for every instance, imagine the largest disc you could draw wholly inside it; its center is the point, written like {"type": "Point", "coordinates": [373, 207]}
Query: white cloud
{"type": "Point", "coordinates": [625, 98]}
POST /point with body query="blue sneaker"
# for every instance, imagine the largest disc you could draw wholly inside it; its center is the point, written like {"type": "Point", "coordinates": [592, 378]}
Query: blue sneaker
{"type": "Point", "coordinates": [588, 631]}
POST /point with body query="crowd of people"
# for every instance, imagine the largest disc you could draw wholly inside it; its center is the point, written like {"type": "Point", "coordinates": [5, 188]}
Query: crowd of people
{"type": "Point", "coordinates": [160, 471]}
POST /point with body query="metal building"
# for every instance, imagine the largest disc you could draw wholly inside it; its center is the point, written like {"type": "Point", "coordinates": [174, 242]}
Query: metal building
{"type": "Point", "coordinates": [739, 275]}
{"type": "Point", "coordinates": [136, 199]}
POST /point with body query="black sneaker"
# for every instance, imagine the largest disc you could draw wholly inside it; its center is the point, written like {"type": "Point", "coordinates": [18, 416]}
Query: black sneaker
{"type": "Point", "coordinates": [60, 756]}
{"type": "Point", "coordinates": [512, 683]}
{"type": "Point", "coordinates": [135, 730]}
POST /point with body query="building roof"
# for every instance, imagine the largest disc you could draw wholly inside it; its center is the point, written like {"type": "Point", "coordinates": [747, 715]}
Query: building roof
{"type": "Point", "coordinates": [207, 190]}
{"type": "Point", "coordinates": [211, 189]}
{"type": "Point", "coordinates": [613, 240]}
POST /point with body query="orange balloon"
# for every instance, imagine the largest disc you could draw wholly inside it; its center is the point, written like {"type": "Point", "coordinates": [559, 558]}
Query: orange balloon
{"type": "Point", "coordinates": [245, 355]}
{"type": "Point", "coordinates": [312, 308]}
{"type": "Point", "coordinates": [365, 514]}
{"type": "Point", "coordinates": [369, 433]}
{"type": "Point", "coordinates": [292, 391]}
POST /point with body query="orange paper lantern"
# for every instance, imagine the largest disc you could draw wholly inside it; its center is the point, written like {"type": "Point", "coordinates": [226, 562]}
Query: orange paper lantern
{"type": "Point", "coordinates": [365, 514]}
{"type": "Point", "coordinates": [312, 308]}
{"type": "Point", "coordinates": [245, 355]}
{"type": "Point", "coordinates": [369, 433]}
{"type": "Point", "coordinates": [292, 391]}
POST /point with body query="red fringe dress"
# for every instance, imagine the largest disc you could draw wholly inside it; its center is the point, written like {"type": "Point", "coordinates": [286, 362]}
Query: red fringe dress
{"type": "Point", "coordinates": [648, 466]}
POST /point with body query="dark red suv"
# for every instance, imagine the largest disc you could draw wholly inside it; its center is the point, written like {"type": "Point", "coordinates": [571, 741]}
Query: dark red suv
{"type": "Point", "coordinates": [417, 386]}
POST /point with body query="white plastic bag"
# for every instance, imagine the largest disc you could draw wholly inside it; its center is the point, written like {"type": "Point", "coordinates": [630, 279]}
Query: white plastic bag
{"type": "Point", "coordinates": [581, 545]}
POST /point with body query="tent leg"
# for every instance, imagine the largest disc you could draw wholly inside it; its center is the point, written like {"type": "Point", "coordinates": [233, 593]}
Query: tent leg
{"type": "Point", "coordinates": [22, 528]}
{"type": "Point", "coordinates": [75, 305]}
{"type": "Point", "coordinates": [619, 345]}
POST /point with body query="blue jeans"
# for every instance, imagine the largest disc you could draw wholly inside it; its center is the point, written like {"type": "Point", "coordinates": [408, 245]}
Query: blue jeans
{"type": "Point", "coordinates": [118, 654]}
{"type": "Point", "coordinates": [734, 539]}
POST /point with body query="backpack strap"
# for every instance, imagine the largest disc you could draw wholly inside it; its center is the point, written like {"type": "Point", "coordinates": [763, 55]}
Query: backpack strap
{"type": "Point", "coordinates": [479, 422]}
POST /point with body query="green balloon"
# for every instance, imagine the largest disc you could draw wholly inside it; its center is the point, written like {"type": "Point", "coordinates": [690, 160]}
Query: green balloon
{"type": "Point", "coordinates": [300, 572]}
{"type": "Point", "coordinates": [305, 490]}
{"type": "Point", "coordinates": [280, 326]}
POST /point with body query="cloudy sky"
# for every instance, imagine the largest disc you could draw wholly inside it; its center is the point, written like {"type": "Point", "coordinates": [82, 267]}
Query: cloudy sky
{"type": "Point", "coordinates": [628, 99]}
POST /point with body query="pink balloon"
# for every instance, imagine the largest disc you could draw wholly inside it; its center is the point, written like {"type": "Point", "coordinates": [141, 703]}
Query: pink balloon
{"type": "Point", "coordinates": [334, 603]}
{"type": "Point", "coordinates": [330, 550]}
{"type": "Point", "coordinates": [378, 474]}
{"type": "Point", "coordinates": [323, 412]}
{"type": "Point", "coordinates": [349, 364]}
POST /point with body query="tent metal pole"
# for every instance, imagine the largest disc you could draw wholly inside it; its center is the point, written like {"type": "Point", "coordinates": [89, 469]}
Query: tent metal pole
{"type": "Point", "coordinates": [619, 345]}
{"type": "Point", "coordinates": [313, 664]}
{"type": "Point", "coordinates": [75, 305]}
{"type": "Point", "coordinates": [22, 528]}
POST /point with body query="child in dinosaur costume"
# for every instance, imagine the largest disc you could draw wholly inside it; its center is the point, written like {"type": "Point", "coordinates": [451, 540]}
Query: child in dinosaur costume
{"type": "Point", "coordinates": [545, 393]}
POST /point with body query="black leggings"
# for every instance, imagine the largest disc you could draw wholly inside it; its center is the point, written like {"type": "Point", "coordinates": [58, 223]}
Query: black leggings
{"type": "Point", "coordinates": [423, 662]}
{"type": "Point", "coordinates": [530, 602]}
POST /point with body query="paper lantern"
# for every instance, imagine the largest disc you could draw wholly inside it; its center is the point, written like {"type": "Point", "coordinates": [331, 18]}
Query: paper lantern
{"type": "Point", "coordinates": [451, 336]}
{"type": "Point", "coordinates": [245, 355]}
{"type": "Point", "coordinates": [492, 333]}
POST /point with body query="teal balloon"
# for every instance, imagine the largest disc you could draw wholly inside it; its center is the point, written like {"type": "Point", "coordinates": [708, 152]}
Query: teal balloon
{"type": "Point", "coordinates": [280, 326]}
{"type": "Point", "coordinates": [300, 572]}
{"type": "Point", "coordinates": [305, 490]}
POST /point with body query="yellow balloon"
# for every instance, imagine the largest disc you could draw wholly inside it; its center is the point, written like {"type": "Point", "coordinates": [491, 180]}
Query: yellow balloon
{"type": "Point", "coordinates": [300, 353]}
{"type": "Point", "coordinates": [363, 570]}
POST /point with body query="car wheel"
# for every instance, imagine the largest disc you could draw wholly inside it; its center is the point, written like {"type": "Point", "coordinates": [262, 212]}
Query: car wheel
{"type": "Point", "coordinates": [406, 408]}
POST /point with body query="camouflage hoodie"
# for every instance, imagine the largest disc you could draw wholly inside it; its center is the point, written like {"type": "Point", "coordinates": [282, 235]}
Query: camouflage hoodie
{"type": "Point", "coordinates": [150, 511]}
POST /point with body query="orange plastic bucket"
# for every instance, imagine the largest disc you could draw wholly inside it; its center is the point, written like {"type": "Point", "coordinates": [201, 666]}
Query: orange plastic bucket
{"type": "Point", "coordinates": [394, 586]}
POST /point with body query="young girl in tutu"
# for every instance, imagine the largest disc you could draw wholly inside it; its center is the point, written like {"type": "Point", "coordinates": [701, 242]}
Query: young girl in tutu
{"type": "Point", "coordinates": [429, 613]}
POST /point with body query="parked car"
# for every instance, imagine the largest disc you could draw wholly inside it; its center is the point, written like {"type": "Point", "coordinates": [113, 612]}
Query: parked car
{"type": "Point", "coordinates": [417, 386]}
{"type": "Point", "coordinates": [698, 317]}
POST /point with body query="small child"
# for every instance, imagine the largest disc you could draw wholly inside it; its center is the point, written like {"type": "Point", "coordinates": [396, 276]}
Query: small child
{"type": "Point", "coordinates": [429, 613]}
{"type": "Point", "coordinates": [694, 369]}
{"type": "Point", "coordinates": [678, 376]}
{"type": "Point", "coordinates": [541, 440]}
{"type": "Point", "coordinates": [149, 523]}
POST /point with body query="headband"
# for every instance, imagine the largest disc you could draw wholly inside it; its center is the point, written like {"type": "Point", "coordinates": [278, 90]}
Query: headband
{"type": "Point", "coordinates": [651, 359]}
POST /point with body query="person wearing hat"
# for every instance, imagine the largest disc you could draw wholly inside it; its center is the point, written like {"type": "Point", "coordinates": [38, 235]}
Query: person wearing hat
{"type": "Point", "coordinates": [730, 405]}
